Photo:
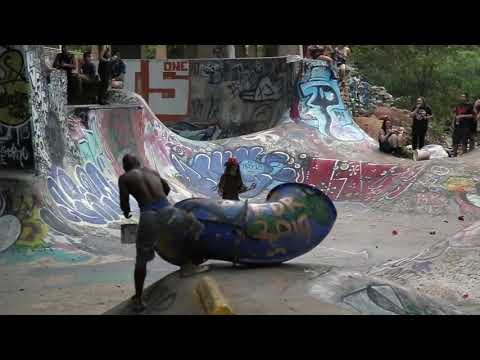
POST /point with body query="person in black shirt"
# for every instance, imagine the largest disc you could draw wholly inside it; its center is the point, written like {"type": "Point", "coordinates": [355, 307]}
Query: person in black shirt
{"type": "Point", "coordinates": [231, 183]}
{"type": "Point", "coordinates": [462, 124]}
{"type": "Point", "coordinates": [88, 68]}
{"type": "Point", "coordinates": [66, 61]}
{"type": "Point", "coordinates": [473, 133]}
{"type": "Point", "coordinates": [118, 67]}
{"type": "Point", "coordinates": [420, 115]}
{"type": "Point", "coordinates": [88, 79]}
{"type": "Point", "coordinates": [105, 73]}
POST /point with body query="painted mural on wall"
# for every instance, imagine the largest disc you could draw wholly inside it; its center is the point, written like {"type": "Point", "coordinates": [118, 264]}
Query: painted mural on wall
{"type": "Point", "coordinates": [16, 148]}
{"type": "Point", "coordinates": [214, 99]}
{"type": "Point", "coordinates": [321, 104]}
{"type": "Point", "coordinates": [202, 172]}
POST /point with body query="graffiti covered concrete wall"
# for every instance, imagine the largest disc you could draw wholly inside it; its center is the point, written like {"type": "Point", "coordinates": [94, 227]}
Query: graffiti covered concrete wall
{"type": "Point", "coordinates": [214, 99]}
{"type": "Point", "coordinates": [16, 146]}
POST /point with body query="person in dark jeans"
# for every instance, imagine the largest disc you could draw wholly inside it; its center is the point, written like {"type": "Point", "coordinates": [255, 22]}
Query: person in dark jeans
{"type": "Point", "coordinates": [105, 73]}
{"type": "Point", "coordinates": [421, 114]}
{"type": "Point", "coordinates": [66, 61]}
{"type": "Point", "coordinates": [462, 124]}
{"type": "Point", "coordinates": [476, 113]}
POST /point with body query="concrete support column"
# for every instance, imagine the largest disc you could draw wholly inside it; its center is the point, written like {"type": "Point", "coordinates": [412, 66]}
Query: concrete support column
{"type": "Point", "coordinates": [161, 52]}
{"type": "Point", "coordinates": [252, 51]}
{"type": "Point", "coordinates": [270, 50]}
{"type": "Point", "coordinates": [240, 51]}
{"type": "Point", "coordinates": [230, 51]}
{"type": "Point", "coordinates": [284, 50]}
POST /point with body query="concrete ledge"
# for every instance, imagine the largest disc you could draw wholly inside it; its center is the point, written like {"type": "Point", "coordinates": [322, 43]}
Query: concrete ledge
{"type": "Point", "coordinates": [212, 299]}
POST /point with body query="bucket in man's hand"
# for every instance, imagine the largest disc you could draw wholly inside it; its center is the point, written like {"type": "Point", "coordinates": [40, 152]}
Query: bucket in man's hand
{"type": "Point", "coordinates": [420, 155]}
{"type": "Point", "coordinates": [129, 233]}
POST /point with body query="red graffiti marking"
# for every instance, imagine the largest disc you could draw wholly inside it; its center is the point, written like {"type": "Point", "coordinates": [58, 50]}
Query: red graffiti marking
{"type": "Point", "coordinates": [360, 181]}
{"type": "Point", "coordinates": [175, 66]}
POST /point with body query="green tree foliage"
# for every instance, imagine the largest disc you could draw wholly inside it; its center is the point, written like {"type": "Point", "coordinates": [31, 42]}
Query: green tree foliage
{"type": "Point", "coordinates": [438, 72]}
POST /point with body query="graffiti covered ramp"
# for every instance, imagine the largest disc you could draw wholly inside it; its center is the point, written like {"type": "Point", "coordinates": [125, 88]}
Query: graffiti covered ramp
{"type": "Point", "coordinates": [66, 219]}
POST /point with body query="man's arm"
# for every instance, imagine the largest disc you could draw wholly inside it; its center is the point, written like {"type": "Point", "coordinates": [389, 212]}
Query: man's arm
{"type": "Point", "coordinates": [72, 64]}
{"type": "Point", "coordinates": [124, 197]}
{"type": "Point", "coordinates": [166, 187]}
{"type": "Point", "coordinates": [56, 62]}
{"type": "Point", "coordinates": [221, 185]}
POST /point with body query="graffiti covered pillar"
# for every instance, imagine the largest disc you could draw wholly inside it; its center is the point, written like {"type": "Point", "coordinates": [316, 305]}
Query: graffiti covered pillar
{"type": "Point", "coordinates": [16, 128]}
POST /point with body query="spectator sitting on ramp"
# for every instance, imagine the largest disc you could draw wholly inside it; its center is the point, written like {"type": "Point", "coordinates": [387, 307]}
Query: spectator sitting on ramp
{"type": "Point", "coordinates": [169, 231]}
{"type": "Point", "coordinates": [231, 183]}
{"type": "Point", "coordinates": [390, 139]}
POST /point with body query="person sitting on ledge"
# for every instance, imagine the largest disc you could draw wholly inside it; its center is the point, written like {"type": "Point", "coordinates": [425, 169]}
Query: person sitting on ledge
{"type": "Point", "coordinates": [119, 70]}
{"type": "Point", "coordinates": [319, 52]}
{"type": "Point", "coordinates": [88, 79]}
{"type": "Point", "coordinates": [65, 60]}
{"type": "Point", "coordinates": [390, 139]}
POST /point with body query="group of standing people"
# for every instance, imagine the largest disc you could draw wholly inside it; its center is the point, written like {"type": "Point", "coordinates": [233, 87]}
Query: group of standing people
{"type": "Point", "coordinates": [464, 127]}
{"type": "Point", "coordinates": [86, 79]}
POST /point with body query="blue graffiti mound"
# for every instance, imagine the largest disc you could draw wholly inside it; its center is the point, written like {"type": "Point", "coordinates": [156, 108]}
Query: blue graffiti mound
{"type": "Point", "coordinates": [323, 105]}
{"type": "Point", "coordinates": [266, 170]}
{"type": "Point", "coordinates": [87, 198]}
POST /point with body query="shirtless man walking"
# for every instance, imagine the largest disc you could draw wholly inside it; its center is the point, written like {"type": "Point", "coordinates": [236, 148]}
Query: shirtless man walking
{"type": "Point", "coordinates": [151, 192]}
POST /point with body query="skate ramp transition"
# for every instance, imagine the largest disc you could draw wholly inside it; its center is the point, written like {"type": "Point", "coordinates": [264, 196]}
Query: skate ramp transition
{"type": "Point", "coordinates": [59, 167]}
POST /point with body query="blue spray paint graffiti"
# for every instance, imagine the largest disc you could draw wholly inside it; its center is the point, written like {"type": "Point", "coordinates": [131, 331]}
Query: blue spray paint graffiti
{"type": "Point", "coordinates": [267, 170]}
{"type": "Point", "coordinates": [87, 197]}
{"type": "Point", "coordinates": [360, 95]}
{"type": "Point", "coordinates": [325, 109]}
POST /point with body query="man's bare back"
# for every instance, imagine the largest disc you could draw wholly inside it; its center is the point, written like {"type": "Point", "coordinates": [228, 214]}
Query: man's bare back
{"type": "Point", "coordinates": [144, 184]}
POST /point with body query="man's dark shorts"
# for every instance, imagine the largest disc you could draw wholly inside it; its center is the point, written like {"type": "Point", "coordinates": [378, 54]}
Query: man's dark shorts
{"type": "Point", "coordinates": [146, 237]}
{"type": "Point", "coordinates": [460, 135]}
{"type": "Point", "coordinates": [148, 231]}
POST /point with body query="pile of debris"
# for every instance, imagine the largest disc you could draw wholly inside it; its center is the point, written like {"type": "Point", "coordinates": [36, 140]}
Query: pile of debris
{"type": "Point", "coordinates": [361, 97]}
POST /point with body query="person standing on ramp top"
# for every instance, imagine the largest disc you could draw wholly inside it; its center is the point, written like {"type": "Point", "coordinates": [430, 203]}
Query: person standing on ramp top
{"type": "Point", "coordinates": [421, 114]}
{"type": "Point", "coordinates": [169, 231]}
{"type": "Point", "coordinates": [231, 183]}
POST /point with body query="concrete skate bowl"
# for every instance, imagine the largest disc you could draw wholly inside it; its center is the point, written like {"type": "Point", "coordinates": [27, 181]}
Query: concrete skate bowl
{"type": "Point", "coordinates": [59, 200]}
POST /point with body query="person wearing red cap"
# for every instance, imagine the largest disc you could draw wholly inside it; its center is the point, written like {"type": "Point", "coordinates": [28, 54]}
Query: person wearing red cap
{"type": "Point", "coordinates": [231, 184]}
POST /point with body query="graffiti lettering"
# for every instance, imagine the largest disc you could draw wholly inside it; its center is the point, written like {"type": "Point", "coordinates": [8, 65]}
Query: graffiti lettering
{"type": "Point", "coordinates": [91, 198]}
{"type": "Point", "coordinates": [18, 154]}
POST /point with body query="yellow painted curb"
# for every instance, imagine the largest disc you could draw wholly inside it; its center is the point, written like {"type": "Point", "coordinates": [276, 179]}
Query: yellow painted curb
{"type": "Point", "coordinates": [212, 299]}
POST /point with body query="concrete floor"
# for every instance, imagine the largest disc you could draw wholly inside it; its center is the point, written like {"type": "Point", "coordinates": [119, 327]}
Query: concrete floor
{"type": "Point", "coordinates": [93, 289]}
